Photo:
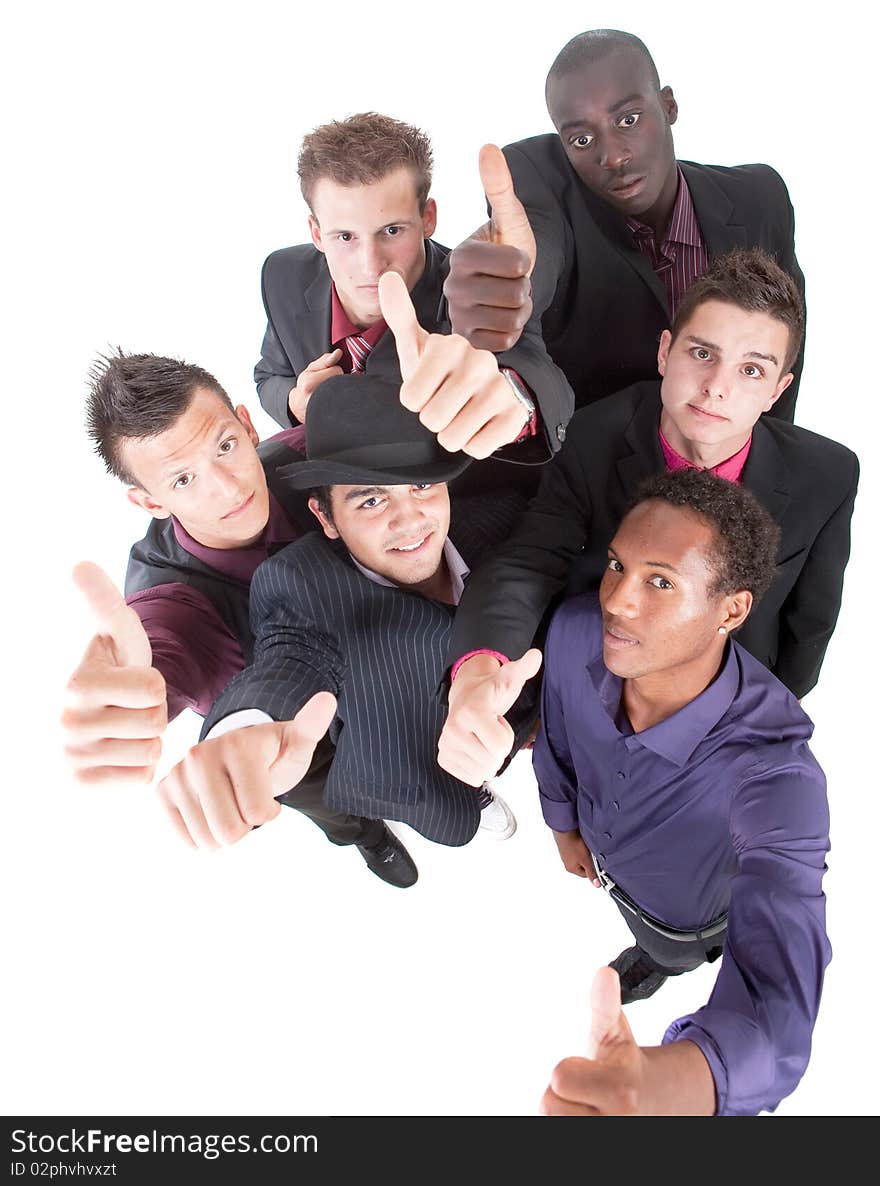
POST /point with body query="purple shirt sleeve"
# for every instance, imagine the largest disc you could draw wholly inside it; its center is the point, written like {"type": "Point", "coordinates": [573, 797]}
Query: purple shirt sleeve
{"type": "Point", "coordinates": [551, 759]}
{"type": "Point", "coordinates": [192, 646]}
{"type": "Point", "coordinates": [755, 1032]}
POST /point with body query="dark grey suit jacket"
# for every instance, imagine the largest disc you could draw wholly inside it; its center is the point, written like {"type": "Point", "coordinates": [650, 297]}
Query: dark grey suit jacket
{"type": "Point", "coordinates": [296, 294]}
{"type": "Point", "coordinates": [602, 306]}
{"type": "Point", "coordinates": [807, 482]}
{"type": "Point", "coordinates": [321, 625]}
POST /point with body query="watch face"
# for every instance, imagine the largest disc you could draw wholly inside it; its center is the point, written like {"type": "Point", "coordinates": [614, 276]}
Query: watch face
{"type": "Point", "coordinates": [519, 389]}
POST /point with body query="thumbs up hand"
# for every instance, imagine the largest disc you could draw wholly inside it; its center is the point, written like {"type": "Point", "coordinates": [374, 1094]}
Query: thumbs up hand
{"type": "Point", "coordinates": [116, 707]}
{"type": "Point", "coordinates": [476, 738]}
{"type": "Point", "coordinates": [509, 224]}
{"type": "Point", "coordinates": [227, 785]}
{"type": "Point", "coordinates": [488, 289]}
{"type": "Point", "coordinates": [457, 391]}
{"type": "Point", "coordinates": [609, 1082]}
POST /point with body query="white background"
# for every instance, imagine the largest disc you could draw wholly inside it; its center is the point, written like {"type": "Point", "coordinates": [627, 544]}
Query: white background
{"type": "Point", "coordinates": [150, 166]}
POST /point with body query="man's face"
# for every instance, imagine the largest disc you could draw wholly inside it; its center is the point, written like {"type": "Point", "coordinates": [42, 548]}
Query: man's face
{"type": "Point", "coordinates": [721, 372]}
{"type": "Point", "coordinates": [395, 531]}
{"type": "Point", "coordinates": [205, 471]}
{"type": "Point", "coordinates": [365, 230]}
{"type": "Point", "coordinates": [616, 129]}
{"type": "Point", "coordinates": [656, 607]}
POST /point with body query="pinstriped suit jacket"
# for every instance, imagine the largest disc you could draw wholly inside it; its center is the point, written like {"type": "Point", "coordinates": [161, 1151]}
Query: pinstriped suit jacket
{"type": "Point", "coordinates": [321, 625]}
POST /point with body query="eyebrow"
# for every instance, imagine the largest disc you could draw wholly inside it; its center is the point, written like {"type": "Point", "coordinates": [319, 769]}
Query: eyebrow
{"type": "Point", "coordinates": [750, 354]}
{"type": "Point", "coordinates": [353, 495]}
{"type": "Point", "coordinates": [221, 433]}
{"type": "Point", "coordinates": [649, 563]}
{"type": "Point", "coordinates": [579, 121]}
{"type": "Point", "coordinates": [344, 230]}
{"type": "Point", "coordinates": [615, 107]}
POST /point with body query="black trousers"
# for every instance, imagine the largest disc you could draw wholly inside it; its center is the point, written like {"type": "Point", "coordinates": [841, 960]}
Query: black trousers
{"type": "Point", "coordinates": [670, 953]}
{"type": "Point", "coordinates": [308, 797]}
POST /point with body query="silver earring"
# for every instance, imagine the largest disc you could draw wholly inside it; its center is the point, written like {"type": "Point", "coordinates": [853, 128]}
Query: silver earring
{"type": "Point", "coordinates": [722, 629]}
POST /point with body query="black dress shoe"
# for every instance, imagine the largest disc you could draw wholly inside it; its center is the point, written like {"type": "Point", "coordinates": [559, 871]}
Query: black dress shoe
{"type": "Point", "coordinates": [639, 977]}
{"type": "Point", "coordinates": [389, 860]}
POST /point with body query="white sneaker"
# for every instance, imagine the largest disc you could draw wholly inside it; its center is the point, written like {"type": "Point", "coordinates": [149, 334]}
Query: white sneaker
{"type": "Point", "coordinates": [496, 819]}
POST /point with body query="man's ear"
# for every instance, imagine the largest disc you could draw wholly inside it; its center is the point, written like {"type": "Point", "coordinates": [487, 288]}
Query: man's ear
{"type": "Point", "coordinates": [245, 417]}
{"type": "Point", "coordinates": [784, 382]}
{"type": "Point", "coordinates": [429, 218]}
{"type": "Point", "coordinates": [667, 99]}
{"type": "Point", "coordinates": [315, 232]}
{"type": "Point", "coordinates": [327, 524]}
{"type": "Point", "coordinates": [663, 351]}
{"type": "Point", "coordinates": [737, 607]}
{"type": "Point", "coordinates": [147, 503]}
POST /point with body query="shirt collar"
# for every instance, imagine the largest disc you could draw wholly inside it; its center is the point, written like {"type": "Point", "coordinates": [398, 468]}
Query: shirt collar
{"type": "Point", "coordinates": [683, 226]}
{"type": "Point", "coordinates": [341, 326]}
{"type": "Point", "coordinates": [731, 468]}
{"type": "Point", "coordinates": [458, 571]}
{"type": "Point", "coordinates": [240, 563]}
{"type": "Point", "coordinates": [675, 738]}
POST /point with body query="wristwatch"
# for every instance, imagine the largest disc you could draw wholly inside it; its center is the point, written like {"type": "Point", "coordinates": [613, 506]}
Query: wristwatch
{"type": "Point", "coordinates": [520, 390]}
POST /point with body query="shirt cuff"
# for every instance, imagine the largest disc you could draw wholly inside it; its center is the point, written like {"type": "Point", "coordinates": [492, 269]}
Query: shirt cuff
{"type": "Point", "coordinates": [561, 817]}
{"type": "Point", "coordinates": [502, 659]}
{"type": "Point", "coordinates": [238, 720]}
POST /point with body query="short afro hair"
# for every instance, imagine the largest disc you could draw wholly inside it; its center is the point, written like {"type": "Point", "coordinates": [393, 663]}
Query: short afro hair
{"type": "Point", "coordinates": [746, 537]}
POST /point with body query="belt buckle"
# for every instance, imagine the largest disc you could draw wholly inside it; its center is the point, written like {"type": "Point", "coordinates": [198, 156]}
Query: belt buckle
{"type": "Point", "coordinates": [607, 883]}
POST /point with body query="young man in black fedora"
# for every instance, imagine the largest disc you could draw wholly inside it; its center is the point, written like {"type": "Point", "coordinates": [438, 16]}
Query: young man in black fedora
{"type": "Point", "coordinates": [170, 432]}
{"type": "Point", "coordinates": [362, 611]}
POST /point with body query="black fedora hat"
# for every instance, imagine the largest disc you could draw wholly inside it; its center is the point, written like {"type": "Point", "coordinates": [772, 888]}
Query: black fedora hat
{"type": "Point", "coordinates": [358, 431]}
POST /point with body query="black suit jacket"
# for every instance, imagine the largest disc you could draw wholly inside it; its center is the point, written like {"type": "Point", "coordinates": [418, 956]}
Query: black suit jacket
{"type": "Point", "coordinates": [296, 294]}
{"type": "Point", "coordinates": [603, 307]}
{"type": "Point", "coordinates": [321, 625]}
{"type": "Point", "coordinates": [807, 482]}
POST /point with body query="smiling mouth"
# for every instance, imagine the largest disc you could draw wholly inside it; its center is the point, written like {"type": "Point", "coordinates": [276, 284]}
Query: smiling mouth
{"type": "Point", "coordinates": [240, 508]}
{"type": "Point", "coordinates": [410, 549]}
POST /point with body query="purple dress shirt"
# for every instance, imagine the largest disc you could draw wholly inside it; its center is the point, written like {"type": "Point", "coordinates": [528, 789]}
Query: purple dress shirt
{"type": "Point", "coordinates": [720, 807]}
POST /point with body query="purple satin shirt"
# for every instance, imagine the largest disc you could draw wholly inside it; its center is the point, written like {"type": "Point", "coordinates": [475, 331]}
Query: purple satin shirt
{"type": "Point", "coordinates": [719, 807]}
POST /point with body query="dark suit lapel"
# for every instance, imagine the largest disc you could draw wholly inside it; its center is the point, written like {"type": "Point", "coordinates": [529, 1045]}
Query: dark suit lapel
{"type": "Point", "coordinates": [641, 456]}
{"type": "Point", "coordinates": [313, 321]}
{"type": "Point", "coordinates": [720, 223]}
{"type": "Point", "coordinates": [766, 473]}
{"type": "Point", "coordinates": [613, 227]}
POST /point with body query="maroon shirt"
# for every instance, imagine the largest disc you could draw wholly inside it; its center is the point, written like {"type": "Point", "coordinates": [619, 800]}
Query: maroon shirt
{"type": "Point", "coordinates": [192, 646]}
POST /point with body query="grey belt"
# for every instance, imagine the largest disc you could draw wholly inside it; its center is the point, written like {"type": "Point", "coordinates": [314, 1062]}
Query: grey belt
{"type": "Point", "coordinates": [707, 932]}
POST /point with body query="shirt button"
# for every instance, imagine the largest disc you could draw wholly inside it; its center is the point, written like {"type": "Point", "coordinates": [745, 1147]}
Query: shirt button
{"type": "Point", "coordinates": [607, 835]}
{"type": "Point", "coordinates": [602, 857]}
{"type": "Point", "coordinates": [620, 774]}
{"type": "Point", "coordinates": [616, 805]}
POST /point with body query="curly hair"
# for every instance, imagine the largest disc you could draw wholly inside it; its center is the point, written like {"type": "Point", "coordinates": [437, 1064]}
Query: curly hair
{"type": "Point", "coordinates": [746, 537]}
{"type": "Point", "coordinates": [749, 279]}
{"type": "Point", "coordinates": [363, 149]}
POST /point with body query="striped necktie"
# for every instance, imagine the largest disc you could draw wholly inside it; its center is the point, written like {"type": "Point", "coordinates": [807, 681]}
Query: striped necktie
{"type": "Point", "coordinates": [359, 349]}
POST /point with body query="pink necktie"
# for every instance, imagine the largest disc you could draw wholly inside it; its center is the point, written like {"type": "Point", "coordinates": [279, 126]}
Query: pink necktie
{"type": "Point", "coordinates": [359, 349]}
